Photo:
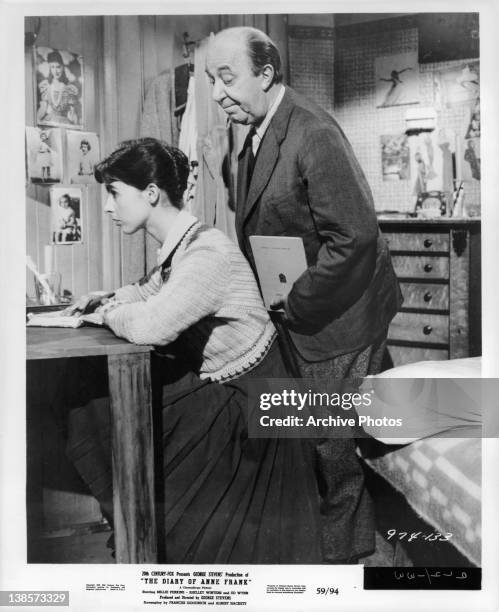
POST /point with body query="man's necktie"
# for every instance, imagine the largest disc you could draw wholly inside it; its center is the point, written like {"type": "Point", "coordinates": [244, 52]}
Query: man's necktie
{"type": "Point", "coordinates": [250, 157]}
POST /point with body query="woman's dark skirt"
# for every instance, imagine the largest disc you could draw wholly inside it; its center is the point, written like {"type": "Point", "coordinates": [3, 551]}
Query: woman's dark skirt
{"type": "Point", "coordinates": [225, 498]}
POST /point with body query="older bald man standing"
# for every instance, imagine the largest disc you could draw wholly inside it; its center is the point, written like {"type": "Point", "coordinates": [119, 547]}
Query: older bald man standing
{"type": "Point", "coordinates": [298, 176]}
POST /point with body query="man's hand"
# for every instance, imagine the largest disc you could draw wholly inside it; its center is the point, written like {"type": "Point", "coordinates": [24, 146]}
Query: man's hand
{"type": "Point", "coordinates": [87, 303]}
{"type": "Point", "coordinates": [280, 303]}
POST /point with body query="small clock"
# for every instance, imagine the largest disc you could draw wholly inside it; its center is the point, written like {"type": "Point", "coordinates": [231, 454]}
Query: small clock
{"type": "Point", "coordinates": [431, 204]}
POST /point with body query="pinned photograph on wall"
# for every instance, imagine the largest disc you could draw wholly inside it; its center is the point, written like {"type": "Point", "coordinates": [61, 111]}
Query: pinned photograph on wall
{"type": "Point", "coordinates": [471, 160]}
{"type": "Point", "coordinates": [395, 157]}
{"type": "Point", "coordinates": [82, 156]}
{"type": "Point", "coordinates": [459, 85]}
{"type": "Point", "coordinates": [426, 162]}
{"type": "Point", "coordinates": [66, 207]}
{"type": "Point", "coordinates": [473, 130]}
{"type": "Point", "coordinates": [59, 87]}
{"type": "Point", "coordinates": [44, 155]}
{"type": "Point", "coordinates": [397, 79]}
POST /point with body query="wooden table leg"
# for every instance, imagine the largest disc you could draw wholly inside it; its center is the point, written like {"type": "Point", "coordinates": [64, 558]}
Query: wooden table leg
{"type": "Point", "coordinates": [133, 458]}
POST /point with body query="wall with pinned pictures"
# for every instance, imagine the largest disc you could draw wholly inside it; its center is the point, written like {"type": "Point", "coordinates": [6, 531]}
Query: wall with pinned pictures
{"type": "Point", "coordinates": [121, 56]}
{"type": "Point", "coordinates": [334, 62]}
{"type": "Point", "coordinates": [79, 263]}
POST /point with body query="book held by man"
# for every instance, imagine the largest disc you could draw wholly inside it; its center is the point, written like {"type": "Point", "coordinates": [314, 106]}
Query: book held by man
{"type": "Point", "coordinates": [279, 261]}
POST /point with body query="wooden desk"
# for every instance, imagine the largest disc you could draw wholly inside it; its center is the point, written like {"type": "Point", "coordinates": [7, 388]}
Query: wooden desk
{"type": "Point", "coordinates": [132, 436]}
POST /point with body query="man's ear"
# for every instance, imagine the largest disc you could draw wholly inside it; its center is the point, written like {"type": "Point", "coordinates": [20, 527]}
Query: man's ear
{"type": "Point", "coordinates": [267, 76]}
{"type": "Point", "coordinates": [152, 192]}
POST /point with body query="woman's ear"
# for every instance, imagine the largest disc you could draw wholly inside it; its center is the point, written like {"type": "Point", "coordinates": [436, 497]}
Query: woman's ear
{"type": "Point", "coordinates": [153, 195]}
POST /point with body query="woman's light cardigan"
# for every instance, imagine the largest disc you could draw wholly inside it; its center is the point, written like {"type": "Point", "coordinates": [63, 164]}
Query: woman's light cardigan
{"type": "Point", "coordinates": [208, 294]}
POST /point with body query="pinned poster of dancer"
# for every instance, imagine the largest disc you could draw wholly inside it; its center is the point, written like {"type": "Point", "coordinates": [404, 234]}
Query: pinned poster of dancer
{"type": "Point", "coordinates": [82, 156]}
{"type": "Point", "coordinates": [397, 79]}
{"type": "Point", "coordinates": [44, 154]}
{"type": "Point", "coordinates": [59, 87]}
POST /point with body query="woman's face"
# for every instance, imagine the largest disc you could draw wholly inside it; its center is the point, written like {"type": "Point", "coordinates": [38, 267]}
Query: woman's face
{"type": "Point", "coordinates": [56, 70]}
{"type": "Point", "coordinates": [64, 202]}
{"type": "Point", "coordinates": [128, 206]}
{"type": "Point", "coordinates": [84, 148]}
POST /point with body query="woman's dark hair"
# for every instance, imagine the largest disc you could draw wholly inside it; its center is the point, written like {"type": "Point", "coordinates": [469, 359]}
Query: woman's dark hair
{"type": "Point", "coordinates": [144, 161]}
{"type": "Point", "coordinates": [54, 57]}
{"type": "Point", "coordinates": [85, 142]}
{"type": "Point", "coordinates": [262, 51]}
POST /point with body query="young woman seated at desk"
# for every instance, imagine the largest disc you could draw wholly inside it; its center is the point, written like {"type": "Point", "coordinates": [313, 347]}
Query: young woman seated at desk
{"type": "Point", "coordinates": [227, 498]}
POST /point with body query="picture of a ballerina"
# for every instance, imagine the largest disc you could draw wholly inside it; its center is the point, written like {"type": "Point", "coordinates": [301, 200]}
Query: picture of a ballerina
{"type": "Point", "coordinates": [396, 80]}
{"type": "Point", "coordinates": [392, 93]}
{"type": "Point", "coordinates": [59, 87]}
{"type": "Point", "coordinates": [43, 155]}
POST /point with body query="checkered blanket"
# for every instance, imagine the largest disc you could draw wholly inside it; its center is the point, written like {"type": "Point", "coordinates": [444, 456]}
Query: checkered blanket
{"type": "Point", "coordinates": [441, 480]}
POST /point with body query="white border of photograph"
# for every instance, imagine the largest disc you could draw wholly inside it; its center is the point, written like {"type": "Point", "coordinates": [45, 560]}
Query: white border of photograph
{"type": "Point", "coordinates": [67, 102]}
{"type": "Point", "coordinates": [82, 154]}
{"type": "Point", "coordinates": [44, 154]}
{"type": "Point", "coordinates": [66, 227]}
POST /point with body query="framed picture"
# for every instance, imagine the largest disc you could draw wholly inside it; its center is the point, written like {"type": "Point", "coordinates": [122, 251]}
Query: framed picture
{"type": "Point", "coordinates": [44, 154]}
{"type": "Point", "coordinates": [397, 79]}
{"type": "Point", "coordinates": [59, 87]}
{"type": "Point", "coordinates": [395, 157]}
{"type": "Point", "coordinates": [66, 206]}
{"type": "Point", "coordinates": [82, 156]}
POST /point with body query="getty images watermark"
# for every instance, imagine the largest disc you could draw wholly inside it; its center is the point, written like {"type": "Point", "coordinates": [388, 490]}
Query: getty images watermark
{"type": "Point", "coordinates": [395, 410]}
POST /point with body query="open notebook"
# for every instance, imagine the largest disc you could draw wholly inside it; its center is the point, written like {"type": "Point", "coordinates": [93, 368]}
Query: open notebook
{"type": "Point", "coordinates": [56, 319]}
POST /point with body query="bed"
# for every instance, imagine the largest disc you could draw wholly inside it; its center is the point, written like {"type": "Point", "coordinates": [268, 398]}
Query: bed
{"type": "Point", "coordinates": [434, 472]}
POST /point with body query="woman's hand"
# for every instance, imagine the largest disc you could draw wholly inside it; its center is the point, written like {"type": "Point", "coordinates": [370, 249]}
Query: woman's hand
{"type": "Point", "coordinates": [87, 303]}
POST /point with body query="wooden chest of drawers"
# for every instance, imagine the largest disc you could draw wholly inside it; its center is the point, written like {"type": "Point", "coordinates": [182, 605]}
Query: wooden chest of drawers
{"type": "Point", "coordinates": [438, 265]}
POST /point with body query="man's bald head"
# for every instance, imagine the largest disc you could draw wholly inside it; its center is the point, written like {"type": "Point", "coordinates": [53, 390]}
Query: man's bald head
{"type": "Point", "coordinates": [259, 47]}
{"type": "Point", "coordinates": [243, 65]}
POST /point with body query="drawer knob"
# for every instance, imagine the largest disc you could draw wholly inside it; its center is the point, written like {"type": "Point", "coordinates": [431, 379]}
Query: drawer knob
{"type": "Point", "coordinates": [428, 267]}
{"type": "Point", "coordinates": [427, 296]}
{"type": "Point", "coordinates": [428, 243]}
{"type": "Point", "coordinates": [427, 329]}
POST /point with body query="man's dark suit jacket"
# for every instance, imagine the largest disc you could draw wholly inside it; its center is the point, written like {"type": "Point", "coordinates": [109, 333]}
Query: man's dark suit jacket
{"type": "Point", "coordinates": [307, 182]}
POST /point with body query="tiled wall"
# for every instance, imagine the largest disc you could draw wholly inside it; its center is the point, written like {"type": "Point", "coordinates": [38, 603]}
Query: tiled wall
{"type": "Point", "coordinates": [311, 52]}
{"type": "Point", "coordinates": [349, 75]}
